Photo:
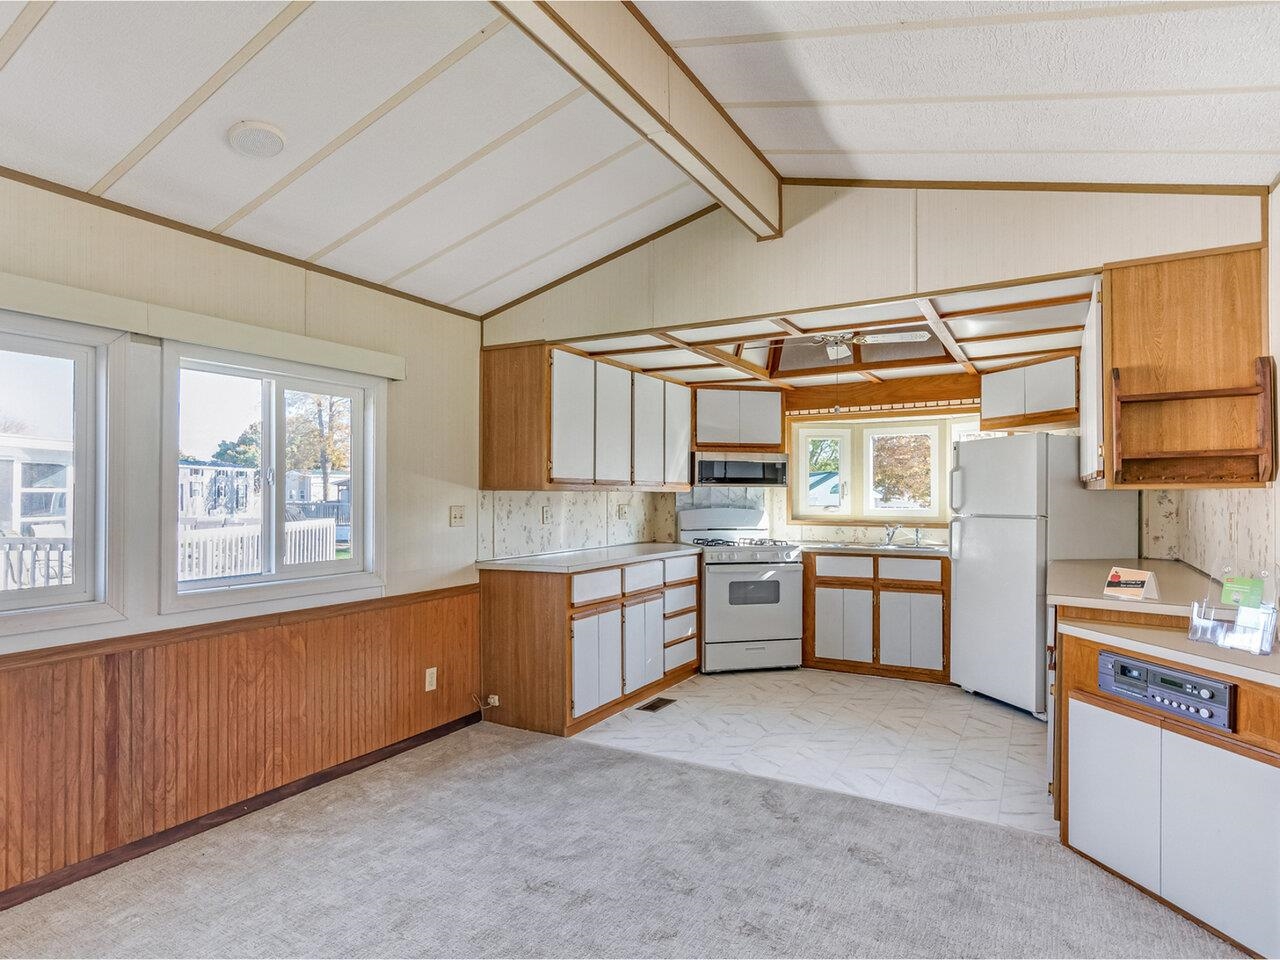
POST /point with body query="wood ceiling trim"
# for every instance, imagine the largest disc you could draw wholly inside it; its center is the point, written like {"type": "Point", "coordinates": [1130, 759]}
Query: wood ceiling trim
{"type": "Point", "coordinates": [547, 25]}
{"type": "Point", "coordinates": [726, 359]}
{"type": "Point", "coordinates": [1018, 307]}
{"type": "Point", "coordinates": [783, 323]}
{"type": "Point", "coordinates": [949, 23]}
{"type": "Point", "coordinates": [622, 251]}
{"type": "Point", "coordinates": [454, 56]}
{"type": "Point", "coordinates": [1213, 189]}
{"type": "Point", "coordinates": [206, 90]}
{"type": "Point", "coordinates": [26, 21]}
{"type": "Point", "coordinates": [616, 218]}
{"type": "Point", "coordinates": [527, 205]}
{"type": "Point", "coordinates": [943, 333]}
{"type": "Point", "coordinates": [17, 176]}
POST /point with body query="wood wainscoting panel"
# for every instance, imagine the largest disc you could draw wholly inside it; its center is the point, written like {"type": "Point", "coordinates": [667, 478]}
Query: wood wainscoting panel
{"type": "Point", "coordinates": [105, 744]}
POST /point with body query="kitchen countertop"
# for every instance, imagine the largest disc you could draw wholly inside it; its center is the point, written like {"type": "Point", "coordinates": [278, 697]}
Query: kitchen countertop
{"type": "Point", "coordinates": [817, 546]}
{"type": "Point", "coordinates": [1173, 645]}
{"type": "Point", "coordinates": [578, 561]}
{"type": "Point", "coordinates": [1079, 583]}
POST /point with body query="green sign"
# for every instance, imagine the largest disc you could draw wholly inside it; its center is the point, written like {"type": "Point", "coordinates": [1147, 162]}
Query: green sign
{"type": "Point", "coordinates": [1242, 591]}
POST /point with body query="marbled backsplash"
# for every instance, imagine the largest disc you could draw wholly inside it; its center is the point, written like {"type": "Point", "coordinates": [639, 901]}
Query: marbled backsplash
{"type": "Point", "coordinates": [1211, 529]}
{"type": "Point", "coordinates": [510, 522]}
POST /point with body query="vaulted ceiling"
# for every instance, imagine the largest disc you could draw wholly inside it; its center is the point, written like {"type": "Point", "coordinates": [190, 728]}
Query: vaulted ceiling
{"type": "Point", "coordinates": [1151, 92]}
{"type": "Point", "coordinates": [430, 147]}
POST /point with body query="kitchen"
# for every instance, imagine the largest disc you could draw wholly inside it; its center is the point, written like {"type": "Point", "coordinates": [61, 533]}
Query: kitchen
{"type": "Point", "coordinates": [660, 478]}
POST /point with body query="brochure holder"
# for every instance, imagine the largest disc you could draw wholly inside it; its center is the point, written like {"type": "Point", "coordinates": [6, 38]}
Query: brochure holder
{"type": "Point", "coordinates": [1241, 614]}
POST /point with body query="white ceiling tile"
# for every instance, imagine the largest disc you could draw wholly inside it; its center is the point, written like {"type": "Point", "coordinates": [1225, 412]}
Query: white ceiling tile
{"type": "Point", "coordinates": [94, 79]}
{"type": "Point", "coordinates": [9, 11]}
{"type": "Point", "coordinates": [871, 313]}
{"type": "Point", "coordinates": [1039, 318]}
{"type": "Point", "coordinates": [556, 150]}
{"type": "Point", "coordinates": [901, 373]}
{"type": "Point", "coordinates": [663, 358]}
{"type": "Point", "coordinates": [564, 258]}
{"type": "Point", "coordinates": [328, 69]}
{"type": "Point", "coordinates": [617, 343]}
{"type": "Point", "coordinates": [498, 86]}
{"type": "Point", "coordinates": [527, 237]}
{"type": "Point", "coordinates": [750, 328]}
{"type": "Point", "coordinates": [992, 348]}
{"type": "Point", "coordinates": [948, 303]}
{"type": "Point", "coordinates": [1204, 47]}
{"type": "Point", "coordinates": [714, 372]}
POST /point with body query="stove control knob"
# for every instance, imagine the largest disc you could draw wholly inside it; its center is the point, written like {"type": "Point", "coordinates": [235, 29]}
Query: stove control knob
{"type": "Point", "coordinates": [1206, 693]}
{"type": "Point", "coordinates": [1206, 712]}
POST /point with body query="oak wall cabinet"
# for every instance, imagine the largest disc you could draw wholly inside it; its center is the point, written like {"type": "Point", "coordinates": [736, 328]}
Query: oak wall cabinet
{"type": "Point", "coordinates": [1040, 394]}
{"type": "Point", "coordinates": [562, 651]}
{"type": "Point", "coordinates": [553, 419]}
{"type": "Point", "coordinates": [884, 615]}
{"type": "Point", "coordinates": [732, 418]}
{"type": "Point", "coordinates": [1188, 397]}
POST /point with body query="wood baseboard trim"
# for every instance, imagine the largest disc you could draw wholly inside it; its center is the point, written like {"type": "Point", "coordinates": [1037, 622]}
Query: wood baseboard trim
{"type": "Point", "coordinates": [110, 858]}
{"type": "Point", "coordinates": [919, 674]}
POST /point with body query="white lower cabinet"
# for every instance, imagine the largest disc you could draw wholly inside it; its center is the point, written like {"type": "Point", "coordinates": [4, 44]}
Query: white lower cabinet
{"type": "Point", "coordinates": [842, 623]}
{"type": "Point", "coordinates": [1113, 771]}
{"type": "Point", "coordinates": [1190, 821]}
{"type": "Point", "coordinates": [911, 629]}
{"type": "Point", "coordinates": [1220, 840]}
{"type": "Point", "coordinates": [597, 660]}
{"type": "Point", "coordinates": [642, 631]}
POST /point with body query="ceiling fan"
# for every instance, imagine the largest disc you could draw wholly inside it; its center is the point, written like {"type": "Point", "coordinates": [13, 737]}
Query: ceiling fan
{"type": "Point", "coordinates": [838, 344]}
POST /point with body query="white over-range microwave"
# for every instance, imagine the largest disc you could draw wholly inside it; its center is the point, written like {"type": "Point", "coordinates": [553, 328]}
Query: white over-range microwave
{"type": "Point", "coordinates": [740, 469]}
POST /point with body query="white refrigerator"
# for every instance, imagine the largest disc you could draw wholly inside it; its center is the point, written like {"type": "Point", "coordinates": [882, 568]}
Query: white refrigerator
{"type": "Point", "coordinates": [1017, 503]}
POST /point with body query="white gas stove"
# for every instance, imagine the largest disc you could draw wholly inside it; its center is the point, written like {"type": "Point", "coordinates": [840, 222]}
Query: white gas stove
{"type": "Point", "coordinates": [751, 588]}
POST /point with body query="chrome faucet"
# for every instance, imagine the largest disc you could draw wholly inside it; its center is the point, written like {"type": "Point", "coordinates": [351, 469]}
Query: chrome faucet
{"type": "Point", "coordinates": [891, 531]}
{"type": "Point", "coordinates": [917, 543]}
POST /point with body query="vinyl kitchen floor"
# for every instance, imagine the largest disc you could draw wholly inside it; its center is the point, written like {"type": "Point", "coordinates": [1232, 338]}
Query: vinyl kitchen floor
{"type": "Point", "coordinates": [922, 745]}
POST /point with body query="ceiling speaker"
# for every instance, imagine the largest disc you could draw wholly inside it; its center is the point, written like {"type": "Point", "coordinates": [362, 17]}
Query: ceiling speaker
{"type": "Point", "coordinates": [253, 138]}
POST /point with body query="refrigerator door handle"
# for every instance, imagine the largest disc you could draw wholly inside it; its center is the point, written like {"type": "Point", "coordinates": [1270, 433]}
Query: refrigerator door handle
{"type": "Point", "coordinates": [957, 488]}
{"type": "Point", "coordinates": [953, 536]}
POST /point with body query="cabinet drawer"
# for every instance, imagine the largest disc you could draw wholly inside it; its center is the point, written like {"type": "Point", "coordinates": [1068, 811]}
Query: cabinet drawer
{"type": "Point", "coordinates": [844, 567]}
{"type": "Point", "coordinates": [642, 576]}
{"type": "Point", "coordinates": [680, 568]}
{"type": "Point", "coordinates": [903, 568]}
{"type": "Point", "coordinates": [596, 585]}
{"type": "Point", "coordinates": [679, 655]}
{"type": "Point", "coordinates": [685, 625]}
{"type": "Point", "coordinates": [681, 598]}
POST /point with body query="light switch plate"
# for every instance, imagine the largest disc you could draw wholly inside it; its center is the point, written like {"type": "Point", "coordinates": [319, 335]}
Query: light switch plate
{"type": "Point", "coordinates": [546, 514]}
{"type": "Point", "coordinates": [622, 511]}
{"type": "Point", "coordinates": [431, 679]}
{"type": "Point", "coordinates": [457, 515]}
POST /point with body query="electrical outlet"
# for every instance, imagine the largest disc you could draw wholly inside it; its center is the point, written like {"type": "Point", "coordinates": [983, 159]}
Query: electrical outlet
{"type": "Point", "coordinates": [457, 515]}
{"type": "Point", "coordinates": [622, 511]}
{"type": "Point", "coordinates": [431, 678]}
{"type": "Point", "coordinates": [546, 515]}
{"type": "Point", "coordinates": [493, 700]}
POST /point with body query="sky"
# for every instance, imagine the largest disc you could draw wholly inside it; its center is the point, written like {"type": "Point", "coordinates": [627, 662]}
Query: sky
{"type": "Point", "coordinates": [38, 391]}
{"type": "Point", "coordinates": [214, 407]}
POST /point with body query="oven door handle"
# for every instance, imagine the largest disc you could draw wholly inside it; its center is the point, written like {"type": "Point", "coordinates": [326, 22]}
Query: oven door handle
{"type": "Point", "coordinates": [778, 570]}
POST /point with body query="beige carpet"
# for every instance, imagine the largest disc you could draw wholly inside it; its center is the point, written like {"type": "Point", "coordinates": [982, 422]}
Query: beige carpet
{"type": "Point", "coordinates": [493, 842]}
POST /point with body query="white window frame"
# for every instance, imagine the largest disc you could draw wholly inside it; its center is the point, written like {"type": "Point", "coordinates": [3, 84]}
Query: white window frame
{"type": "Point", "coordinates": [844, 438]}
{"type": "Point", "coordinates": [364, 568]}
{"type": "Point", "coordinates": [933, 512]}
{"type": "Point", "coordinates": [96, 592]}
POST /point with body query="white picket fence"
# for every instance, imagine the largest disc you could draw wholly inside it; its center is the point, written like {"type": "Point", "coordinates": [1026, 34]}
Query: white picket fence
{"type": "Point", "coordinates": [27, 562]}
{"type": "Point", "coordinates": [236, 551]}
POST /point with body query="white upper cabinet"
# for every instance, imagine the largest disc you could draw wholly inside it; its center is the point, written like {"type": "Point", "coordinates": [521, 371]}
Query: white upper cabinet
{"type": "Point", "coordinates": [678, 440]}
{"type": "Point", "coordinates": [1051, 386]}
{"type": "Point", "coordinates": [573, 403]}
{"type": "Point", "coordinates": [613, 424]}
{"type": "Point", "coordinates": [718, 416]}
{"type": "Point", "coordinates": [648, 429]}
{"type": "Point", "coordinates": [1002, 394]}
{"type": "Point", "coordinates": [740, 417]}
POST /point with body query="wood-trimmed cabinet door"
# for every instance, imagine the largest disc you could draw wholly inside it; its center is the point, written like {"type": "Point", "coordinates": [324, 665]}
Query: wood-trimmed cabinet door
{"type": "Point", "coordinates": [648, 428]}
{"type": "Point", "coordinates": [573, 418]}
{"type": "Point", "coordinates": [677, 418]}
{"type": "Point", "coordinates": [843, 623]}
{"type": "Point", "coordinates": [718, 416]}
{"type": "Point", "coordinates": [642, 644]}
{"type": "Point", "coordinates": [613, 424]}
{"type": "Point", "coordinates": [760, 417]}
{"type": "Point", "coordinates": [911, 629]}
{"type": "Point", "coordinates": [597, 660]}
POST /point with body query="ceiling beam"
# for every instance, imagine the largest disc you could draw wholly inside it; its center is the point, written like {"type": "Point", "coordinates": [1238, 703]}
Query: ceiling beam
{"type": "Point", "coordinates": [943, 333]}
{"type": "Point", "coordinates": [787, 325]}
{"type": "Point", "coordinates": [616, 53]}
{"type": "Point", "coordinates": [726, 359]}
{"type": "Point", "coordinates": [26, 21]}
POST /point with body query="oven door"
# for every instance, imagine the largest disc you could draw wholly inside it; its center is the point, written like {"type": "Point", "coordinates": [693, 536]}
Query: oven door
{"type": "Point", "coordinates": [752, 601]}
